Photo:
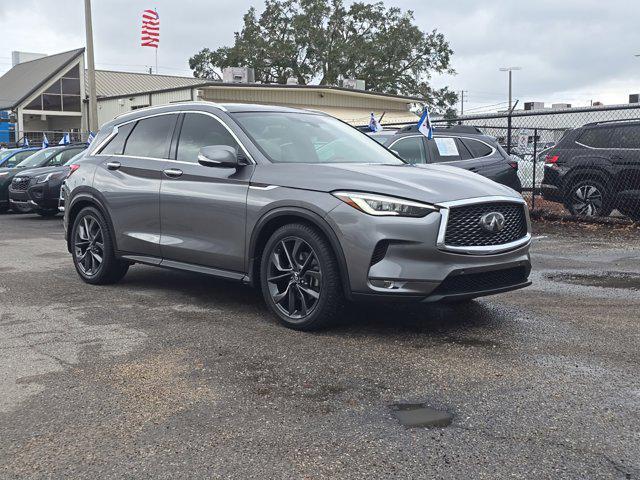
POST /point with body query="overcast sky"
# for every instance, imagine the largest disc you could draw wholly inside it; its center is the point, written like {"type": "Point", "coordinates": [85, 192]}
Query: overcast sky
{"type": "Point", "coordinates": [570, 51]}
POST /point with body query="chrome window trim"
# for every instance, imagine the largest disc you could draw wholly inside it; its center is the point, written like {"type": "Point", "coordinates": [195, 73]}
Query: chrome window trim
{"type": "Point", "coordinates": [173, 112]}
{"type": "Point", "coordinates": [625, 149]}
{"type": "Point", "coordinates": [483, 250]}
{"type": "Point", "coordinates": [156, 107]}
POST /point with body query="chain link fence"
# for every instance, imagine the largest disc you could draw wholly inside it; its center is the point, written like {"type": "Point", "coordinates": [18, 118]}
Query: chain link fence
{"type": "Point", "coordinates": [579, 162]}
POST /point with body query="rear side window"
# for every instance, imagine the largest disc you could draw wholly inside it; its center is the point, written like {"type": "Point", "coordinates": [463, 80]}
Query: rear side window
{"type": "Point", "coordinates": [116, 144]}
{"type": "Point", "coordinates": [627, 136]}
{"type": "Point", "coordinates": [201, 131]}
{"type": "Point", "coordinates": [151, 137]}
{"type": "Point", "coordinates": [410, 149]}
{"type": "Point", "coordinates": [596, 137]}
{"type": "Point", "coordinates": [477, 149]}
{"type": "Point", "coordinates": [447, 149]}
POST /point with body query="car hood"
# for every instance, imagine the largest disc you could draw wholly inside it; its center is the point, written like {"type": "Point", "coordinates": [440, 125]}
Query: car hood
{"type": "Point", "coordinates": [427, 183]}
{"type": "Point", "coordinates": [32, 172]}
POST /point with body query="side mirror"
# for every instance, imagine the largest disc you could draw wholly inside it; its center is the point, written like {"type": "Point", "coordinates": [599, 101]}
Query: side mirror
{"type": "Point", "coordinates": [221, 156]}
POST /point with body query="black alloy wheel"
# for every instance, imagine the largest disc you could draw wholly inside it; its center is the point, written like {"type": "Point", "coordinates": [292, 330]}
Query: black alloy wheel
{"type": "Point", "coordinates": [93, 251]}
{"type": "Point", "coordinates": [89, 246]}
{"type": "Point", "coordinates": [294, 277]}
{"type": "Point", "coordinates": [300, 278]}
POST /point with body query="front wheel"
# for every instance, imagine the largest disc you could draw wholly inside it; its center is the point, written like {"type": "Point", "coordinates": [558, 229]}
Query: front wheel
{"type": "Point", "coordinates": [300, 279]}
{"type": "Point", "coordinates": [92, 249]}
{"type": "Point", "coordinates": [589, 198]}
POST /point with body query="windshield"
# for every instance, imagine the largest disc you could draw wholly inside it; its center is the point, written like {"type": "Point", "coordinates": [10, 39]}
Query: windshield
{"type": "Point", "coordinates": [77, 157]}
{"type": "Point", "coordinates": [4, 154]}
{"type": "Point", "coordinates": [38, 158]}
{"type": "Point", "coordinates": [309, 138]}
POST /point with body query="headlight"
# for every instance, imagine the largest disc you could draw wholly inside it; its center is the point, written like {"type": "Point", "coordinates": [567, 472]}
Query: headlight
{"type": "Point", "coordinates": [383, 206]}
{"type": "Point", "coordinates": [48, 176]}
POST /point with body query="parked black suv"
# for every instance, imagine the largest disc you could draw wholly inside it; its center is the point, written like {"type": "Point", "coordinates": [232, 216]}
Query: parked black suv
{"type": "Point", "coordinates": [459, 146]}
{"type": "Point", "coordinates": [596, 168]}
{"type": "Point", "coordinates": [34, 171]}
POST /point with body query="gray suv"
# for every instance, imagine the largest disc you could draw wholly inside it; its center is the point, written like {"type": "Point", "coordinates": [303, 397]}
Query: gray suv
{"type": "Point", "coordinates": [302, 205]}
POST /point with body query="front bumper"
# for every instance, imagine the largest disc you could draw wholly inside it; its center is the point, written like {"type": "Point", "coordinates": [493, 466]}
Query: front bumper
{"type": "Point", "coordinates": [45, 195]}
{"type": "Point", "coordinates": [414, 266]}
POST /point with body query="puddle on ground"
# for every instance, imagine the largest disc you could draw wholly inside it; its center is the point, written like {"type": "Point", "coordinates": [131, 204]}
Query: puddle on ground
{"type": "Point", "coordinates": [624, 280]}
{"type": "Point", "coordinates": [413, 415]}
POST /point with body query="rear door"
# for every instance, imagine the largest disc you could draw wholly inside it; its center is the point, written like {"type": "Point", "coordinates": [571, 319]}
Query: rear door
{"type": "Point", "coordinates": [129, 181]}
{"type": "Point", "coordinates": [625, 156]}
{"type": "Point", "coordinates": [203, 209]}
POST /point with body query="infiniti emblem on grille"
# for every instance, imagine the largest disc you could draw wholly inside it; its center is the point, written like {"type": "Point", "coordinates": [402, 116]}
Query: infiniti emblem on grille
{"type": "Point", "coordinates": [492, 222]}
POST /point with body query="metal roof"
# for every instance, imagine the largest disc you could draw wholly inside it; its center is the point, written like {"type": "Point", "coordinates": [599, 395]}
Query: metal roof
{"type": "Point", "coordinates": [25, 78]}
{"type": "Point", "coordinates": [120, 84]}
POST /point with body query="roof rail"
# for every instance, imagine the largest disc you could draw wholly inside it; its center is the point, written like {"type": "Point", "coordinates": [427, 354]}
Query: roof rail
{"type": "Point", "coordinates": [622, 120]}
{"type": "Point", "coordinates": [451, 129]}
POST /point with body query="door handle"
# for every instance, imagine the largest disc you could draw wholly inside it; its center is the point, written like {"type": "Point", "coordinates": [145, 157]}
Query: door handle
{"type": "Point", "coordinates": [172, 172]}
{"type": "Point", "coordinates": [113, 165]}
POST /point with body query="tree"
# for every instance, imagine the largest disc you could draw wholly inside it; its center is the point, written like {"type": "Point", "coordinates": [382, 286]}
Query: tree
{"type": "Point", "coordinates": [323, 41]}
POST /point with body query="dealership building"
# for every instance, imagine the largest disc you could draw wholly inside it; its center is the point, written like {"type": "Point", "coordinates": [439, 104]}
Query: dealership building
{"type": "Point", "coordinates": [47, 94]}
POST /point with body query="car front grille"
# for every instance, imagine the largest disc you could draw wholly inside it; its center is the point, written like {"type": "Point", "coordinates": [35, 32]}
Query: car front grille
{"type": "Point", "coordinates": [464, 225]}
{"type": "Point", "coordinates": [483, 281]}
{"type": "Point", "coordinates": [20, 184]}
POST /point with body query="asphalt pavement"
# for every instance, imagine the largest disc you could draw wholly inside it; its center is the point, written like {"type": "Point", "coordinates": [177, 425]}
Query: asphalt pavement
{"type": "Point", "coordinates": [176, 375]}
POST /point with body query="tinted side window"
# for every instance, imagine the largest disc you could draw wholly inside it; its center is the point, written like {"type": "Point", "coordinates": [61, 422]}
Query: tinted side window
{"type": "Point", "coordinates": [410, 149]}
{"type": "Point", "coordinates": [444, 149]}
{"type": "Point", "coordinates": [477, 149]}
{"type": "Point", "coordinates": [626, 137]}
{"type": "Point", "coordinates": [201, 131]}
{"type": "Point", "coordinates": [596, 137]}
{"type": "Point", "coordinates": [151, 137]}
{"type": "Point", "coordinates": [116, 144]}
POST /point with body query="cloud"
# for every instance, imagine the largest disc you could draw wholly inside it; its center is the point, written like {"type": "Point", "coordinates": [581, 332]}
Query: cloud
{"type": "Point", "coordinates": [570, 50]}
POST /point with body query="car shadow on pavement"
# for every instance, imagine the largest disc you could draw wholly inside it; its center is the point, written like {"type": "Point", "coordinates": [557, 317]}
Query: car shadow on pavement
{"type": "Point", "coordinates": [357, 318]}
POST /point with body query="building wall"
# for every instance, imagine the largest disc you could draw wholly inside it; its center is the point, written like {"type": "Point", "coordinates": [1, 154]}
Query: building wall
{"type": "Point", "coordinates": [108, 109]}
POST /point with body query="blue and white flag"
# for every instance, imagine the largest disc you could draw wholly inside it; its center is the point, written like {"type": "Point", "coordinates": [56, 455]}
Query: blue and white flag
{"type": "Point", "coordinates": [25, 142]}
{"type": "Point", "coordinates": [45, 141]}
{"type": "Point", "coordinates": [374, 124]}
{"type": "Point", "coordinates": [65, 140]}
{"type": "Point", "coordinates": [90, 138]}
{"type": "Point", "coordinates": [424, 125]}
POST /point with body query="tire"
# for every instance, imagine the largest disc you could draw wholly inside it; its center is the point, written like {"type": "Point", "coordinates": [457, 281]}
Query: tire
{"type": "Point", "coordinates": [47, 213]}
{"type": "Point", "coordinates": [588, 198]}
{"type": "Point", "coordinates": [631, 212]}
{"type": "Point", "coordinates": [93, 253]}
{"type": "Point", "coordinates": [300, 278]}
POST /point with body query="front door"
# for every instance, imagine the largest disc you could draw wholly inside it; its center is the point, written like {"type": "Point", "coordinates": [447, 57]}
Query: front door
{"type": "Point", "coordinates": [203, 209]}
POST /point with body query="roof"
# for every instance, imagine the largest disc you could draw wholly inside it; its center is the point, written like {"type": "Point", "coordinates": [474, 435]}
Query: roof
{"type": "Point", "coordinates": [119, 84]}
{"type": "Point", "coordinates": [25, 78]}
{"type": "Point", "coordinates": [350, 91]}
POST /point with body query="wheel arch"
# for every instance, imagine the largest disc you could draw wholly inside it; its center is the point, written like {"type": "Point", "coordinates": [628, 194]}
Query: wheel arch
{"type": "Point", "coordinates": [595, 173]}
{"type": "Point", "coordinates": [82, 200]}
{"type": "Point", "coordinates": [278, 217]}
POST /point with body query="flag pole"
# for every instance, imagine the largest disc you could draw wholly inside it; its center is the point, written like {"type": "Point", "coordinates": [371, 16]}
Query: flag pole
{"type": "Point", "coordinates": [156, 60]}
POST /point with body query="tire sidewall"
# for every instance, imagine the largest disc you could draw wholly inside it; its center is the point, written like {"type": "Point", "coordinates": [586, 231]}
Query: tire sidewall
{"type": "Point", "coordinates": [327, 261]}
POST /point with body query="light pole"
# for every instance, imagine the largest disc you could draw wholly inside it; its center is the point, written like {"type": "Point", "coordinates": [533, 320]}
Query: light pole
{"type": "Point", "coordinates": [92, 122]}
{"type": "Point", "coordinates": [510, 70]}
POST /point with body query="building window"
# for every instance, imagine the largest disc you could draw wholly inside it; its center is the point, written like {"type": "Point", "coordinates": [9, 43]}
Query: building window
{"type": "Point", "coordinates": [61, 96]}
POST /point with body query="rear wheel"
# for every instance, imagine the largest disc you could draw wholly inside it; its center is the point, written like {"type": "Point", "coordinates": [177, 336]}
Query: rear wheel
{"type": "Point", "coordinates": [588, 198]}
{"type": "Point", "coordinates": [300, 279]}
{"type": "Point", "coordinates": [92, 249]}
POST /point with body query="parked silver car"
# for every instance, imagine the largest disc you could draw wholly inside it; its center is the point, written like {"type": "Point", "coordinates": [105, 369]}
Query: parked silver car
{"type": "Point", "coordinates": [298, 203]}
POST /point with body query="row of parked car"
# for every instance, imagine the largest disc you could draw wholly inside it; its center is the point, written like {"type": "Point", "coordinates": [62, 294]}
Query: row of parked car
{"type": "Point", "coordinates": [31, 178]}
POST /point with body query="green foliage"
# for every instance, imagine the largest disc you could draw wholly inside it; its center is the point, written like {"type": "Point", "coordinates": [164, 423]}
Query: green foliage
{"type": "Point", "coordinates": [322, 41]}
